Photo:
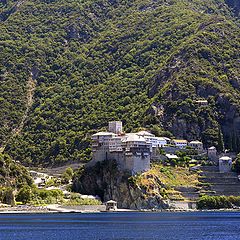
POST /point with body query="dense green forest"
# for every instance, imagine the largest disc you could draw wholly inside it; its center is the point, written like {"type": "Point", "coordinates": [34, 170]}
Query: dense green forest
{"type": "Point", "coordinates": [13, 174]}
{"type": "Point", "coordinates": [67, 67]}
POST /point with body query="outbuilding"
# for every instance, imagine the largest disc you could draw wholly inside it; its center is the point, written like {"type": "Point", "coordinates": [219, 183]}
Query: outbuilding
{"type": "Point", "coordinates": [225, 164]}
{"type": "Point", "coordinates": [197, 145]}
{"type": "Point", "coordinates": [111, 205]}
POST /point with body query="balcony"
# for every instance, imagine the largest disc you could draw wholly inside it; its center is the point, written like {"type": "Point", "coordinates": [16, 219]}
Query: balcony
{"type": "Point", "coordinates": [128, 154]}
{"type": "Point", "coordinates": [95, 145]}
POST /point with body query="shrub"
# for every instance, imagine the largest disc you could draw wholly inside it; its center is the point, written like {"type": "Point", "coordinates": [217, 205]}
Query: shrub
{"type": "Point", "coordinates": [217, 202]}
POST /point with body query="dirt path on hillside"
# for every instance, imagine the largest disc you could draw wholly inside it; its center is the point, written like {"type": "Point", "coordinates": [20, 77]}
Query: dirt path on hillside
{"type": "Point", "coordinates": [31, 85]}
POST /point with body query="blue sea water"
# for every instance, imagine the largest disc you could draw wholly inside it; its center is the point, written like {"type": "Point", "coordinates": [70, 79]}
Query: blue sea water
{"type": "Point", "coordinates": [121, 226]}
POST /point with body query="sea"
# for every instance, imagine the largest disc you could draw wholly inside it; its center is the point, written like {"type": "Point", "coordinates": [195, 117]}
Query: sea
{"type": "Point", "coordinates": [121, 226]}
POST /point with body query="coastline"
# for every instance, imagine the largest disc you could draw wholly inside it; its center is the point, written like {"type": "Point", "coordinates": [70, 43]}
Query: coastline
{"type": "Point", "coordinates": [54, 208]}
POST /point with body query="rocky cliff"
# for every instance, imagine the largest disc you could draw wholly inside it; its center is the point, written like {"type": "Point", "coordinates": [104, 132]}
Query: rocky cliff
{"type": "Point", "coordinates": [108, 182]}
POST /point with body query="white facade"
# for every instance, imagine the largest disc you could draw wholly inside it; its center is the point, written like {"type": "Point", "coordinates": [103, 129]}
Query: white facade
{"type": "Point", "coordinates": [115, 144]}
{"type": "Point", "coordinates": [156, 141]}
{"type": "Point", "coordinates": [197, 145]}
{"type": "Point", "coordinates": [225, 164]}
{"type": "Point", "coordinates": [180, 143]}
{"type": "Point", "coordinates": [131, 151]}
{"type": "Point", "coordinates": [103, 137]}
{"type": "Point", "coordinates": [162, 141]}
{"type": "Point", "coordinates": [172, 156]}
{"type": "Point", "coordinates": [115, 127]}
{"type": "Point", "coordinates": [100, 145]}
{"type": "Point", "coordinates": [137, 153]}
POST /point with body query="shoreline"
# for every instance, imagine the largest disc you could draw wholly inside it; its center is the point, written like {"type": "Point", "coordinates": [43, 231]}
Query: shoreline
{"type": "Point", "coordinates": [56, 209]}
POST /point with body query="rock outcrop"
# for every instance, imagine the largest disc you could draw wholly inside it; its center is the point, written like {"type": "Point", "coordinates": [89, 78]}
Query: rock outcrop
{"type": "Point", "coordinates": [108, 182]}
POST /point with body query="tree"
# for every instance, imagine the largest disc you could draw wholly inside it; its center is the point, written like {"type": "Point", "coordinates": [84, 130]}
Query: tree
{"type": "Point", "coordinates": [220, 146]}
{"type": "Point", "coordinates": [69, 171]}
{"type": "Point", "coordinates": [24, 195]}
{"type": "Point", "coordinates": [67, 175]}
{"type": "Point", "coordinates": [7, 196]}
{"type": "Point", "coordinates": [237, 163]}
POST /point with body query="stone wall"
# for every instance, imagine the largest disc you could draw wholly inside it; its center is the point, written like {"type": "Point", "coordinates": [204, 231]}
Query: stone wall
{"type": "Point", "coordinates": [137, 163]}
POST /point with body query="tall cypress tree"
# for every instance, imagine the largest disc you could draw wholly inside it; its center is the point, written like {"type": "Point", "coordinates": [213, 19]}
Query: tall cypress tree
{"type": "Point", "coordinates": [220, 146]}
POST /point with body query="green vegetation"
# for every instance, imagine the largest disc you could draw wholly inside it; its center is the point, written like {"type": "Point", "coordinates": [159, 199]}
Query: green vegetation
{"type": "Point", "coordinates": [88, 62]}
{"type": "Point", "coordinates": [35, 196]}
{"type": "Point", "coordinates": [175, 176]}
{"type": "Point", "coordinates": [75, 200]}
{"type": "Point", "coordinates": [164, 179]}
{"type": "Point", "coordinates": [39, 196]}
{"type": "Point", "coordinates": [6, 196]}
{"type": "Point", "coordinates": [13, 174]}
{"type": "Point", "coordinates": [218, 202]}
{"type": "Point", "coordinates": [67, 175]}
{"type": "Point", "coordinates": [24, 195]}
{"type": "Point", "coordinates": [236, 164]}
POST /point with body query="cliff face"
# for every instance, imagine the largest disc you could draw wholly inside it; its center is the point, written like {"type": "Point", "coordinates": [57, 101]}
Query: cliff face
{"type": "Point", "coordinates": [108, 182]}
{"type": "Point", "coordinates": [215, 122]}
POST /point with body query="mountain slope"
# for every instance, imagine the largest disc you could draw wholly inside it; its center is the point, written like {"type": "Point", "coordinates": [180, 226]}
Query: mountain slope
{"type": "Point", "coordinates": [95, 61]}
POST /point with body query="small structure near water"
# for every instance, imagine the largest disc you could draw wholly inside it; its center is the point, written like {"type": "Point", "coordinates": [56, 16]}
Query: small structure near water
{"type": "Point", "coordinates": [111, 205]}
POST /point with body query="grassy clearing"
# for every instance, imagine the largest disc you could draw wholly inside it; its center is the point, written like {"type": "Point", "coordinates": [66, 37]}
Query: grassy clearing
{"type": "Point", "coordinates": [163, 179]}
{"type": "Point", "coordinates": [175, 176]}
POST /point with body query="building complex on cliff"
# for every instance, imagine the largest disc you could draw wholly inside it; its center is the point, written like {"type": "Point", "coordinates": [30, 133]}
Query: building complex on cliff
{"type": "Point", "coordinates": [132, 151]}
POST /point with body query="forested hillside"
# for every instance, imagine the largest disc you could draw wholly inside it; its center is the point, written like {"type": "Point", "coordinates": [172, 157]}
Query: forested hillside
{"type": "Point", "coordinates": [67, 67]}
{"type": "Point", "coordinates": [12, 174]}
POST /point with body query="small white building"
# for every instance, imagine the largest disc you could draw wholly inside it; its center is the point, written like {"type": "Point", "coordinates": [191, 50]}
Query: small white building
{"type": "Point", "coordinates": [154, 141]}
{"type": "Point", "coordinates": [172, 156]}
{"type": "Point", "coordinates": [180, 143]}
{"type": "Point", "coordinates": [225, 164]}
{"type": "Point", "coordinates": [197, 145]}
{"type": "Point", "coordinates": [201, 102]}
{"type": "Point", "coordinates": [111, 205]}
